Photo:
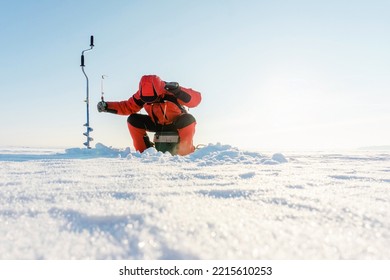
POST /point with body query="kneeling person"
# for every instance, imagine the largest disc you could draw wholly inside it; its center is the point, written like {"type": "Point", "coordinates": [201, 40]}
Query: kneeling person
{"type": "Point", "coordinates": [164, 103]}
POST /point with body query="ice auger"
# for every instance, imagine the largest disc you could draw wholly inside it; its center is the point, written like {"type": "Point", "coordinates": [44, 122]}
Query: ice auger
{"type": "Point", "coordinates": [89, 129]}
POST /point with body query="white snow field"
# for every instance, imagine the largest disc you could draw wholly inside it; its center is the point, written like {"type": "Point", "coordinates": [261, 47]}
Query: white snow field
{"type": "Point", "coordinates": [218, 203]}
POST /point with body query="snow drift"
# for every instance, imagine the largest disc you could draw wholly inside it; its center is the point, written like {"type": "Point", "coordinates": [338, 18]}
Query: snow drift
{"type": "Point", "coordinates": [217, 203]}
{"type": "Point", "coordinates": [210, 154]}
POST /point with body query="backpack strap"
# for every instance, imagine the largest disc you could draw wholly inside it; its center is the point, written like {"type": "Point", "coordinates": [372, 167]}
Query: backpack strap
{"type": "Point", "coordinates": [173, 99]}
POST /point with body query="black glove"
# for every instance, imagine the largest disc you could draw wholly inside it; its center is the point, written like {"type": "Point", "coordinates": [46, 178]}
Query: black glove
{"type": "Point", "coordinates": [174, 88]}
{"type": "Point", "coordinates": [171, 86]}
{"type": "Point", "coordinates": [102, 106]}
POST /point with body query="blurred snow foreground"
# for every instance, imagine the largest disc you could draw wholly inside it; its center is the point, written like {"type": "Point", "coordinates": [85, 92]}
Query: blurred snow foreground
{"type": "Point", "coordinates": [217, 203]}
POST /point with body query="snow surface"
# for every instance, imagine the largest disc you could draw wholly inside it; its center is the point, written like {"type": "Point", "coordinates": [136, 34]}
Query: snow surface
{"type": "Point", "coordinates": [218, 203]}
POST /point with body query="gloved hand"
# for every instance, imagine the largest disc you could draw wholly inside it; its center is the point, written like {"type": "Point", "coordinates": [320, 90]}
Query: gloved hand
{"type": "Point", "coordinates": [171, 86]}
{"type": "Point", "coordinates": [174, 88]}
{"type": "Point", "coordinates": [102, 106]}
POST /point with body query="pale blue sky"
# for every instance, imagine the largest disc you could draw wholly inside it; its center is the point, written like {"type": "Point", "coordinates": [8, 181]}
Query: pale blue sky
{"type": "Point", "coordinates": [274, 74]}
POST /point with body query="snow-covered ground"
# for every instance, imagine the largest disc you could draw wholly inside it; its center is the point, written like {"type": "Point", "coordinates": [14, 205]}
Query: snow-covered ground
{"type": "Point", "coordinates": [218, 203]}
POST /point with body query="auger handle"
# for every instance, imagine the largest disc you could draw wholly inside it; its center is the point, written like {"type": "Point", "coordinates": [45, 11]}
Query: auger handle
{"type": "Point", "coordinates": [82, 61]}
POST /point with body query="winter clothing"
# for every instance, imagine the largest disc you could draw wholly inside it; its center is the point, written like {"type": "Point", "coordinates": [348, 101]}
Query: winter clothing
{"type": "Point", "coordinates": [164, 103]}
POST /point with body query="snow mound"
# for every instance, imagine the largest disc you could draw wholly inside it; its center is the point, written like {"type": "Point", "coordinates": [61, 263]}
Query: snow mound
{"type": "Point", "coordinates": [226, 154]}
{"type": "Point", "coordinates": [212, 154]}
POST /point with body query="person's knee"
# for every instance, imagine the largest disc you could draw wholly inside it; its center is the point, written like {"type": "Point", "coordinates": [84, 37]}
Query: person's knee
{"type": "Point", "coordinates": [139, 121]}
{"type": "Point", "coordinates": [184, 120]}
{"type": "Point", "coordinates": [134, 119]}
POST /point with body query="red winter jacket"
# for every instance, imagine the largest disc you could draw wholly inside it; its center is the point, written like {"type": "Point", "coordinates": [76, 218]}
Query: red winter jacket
{"type": "Point", "coordinates": [165, 111]}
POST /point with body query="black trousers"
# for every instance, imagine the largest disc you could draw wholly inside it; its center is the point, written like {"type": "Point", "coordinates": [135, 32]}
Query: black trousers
{"type": "Point", "coordinates": [146, 122]}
